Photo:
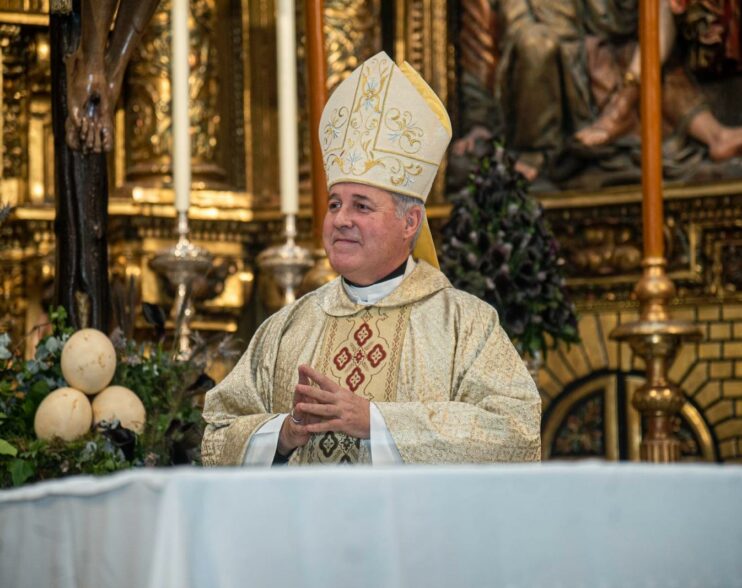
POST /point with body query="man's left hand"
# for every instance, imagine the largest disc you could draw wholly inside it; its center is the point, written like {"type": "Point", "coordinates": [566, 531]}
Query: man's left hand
{"type": "Point", "coordinates": [337, 408]}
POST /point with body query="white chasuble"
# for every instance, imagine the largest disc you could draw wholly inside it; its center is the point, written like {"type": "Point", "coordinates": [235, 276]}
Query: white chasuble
{"type": "Point", "coordinates": [360, 352]}
{"type": "Point", "coordinates": [448, 383]}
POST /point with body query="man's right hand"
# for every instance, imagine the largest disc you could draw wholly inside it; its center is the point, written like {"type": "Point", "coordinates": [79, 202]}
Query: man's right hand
{"type": "Point", "coordinates": [294, 434]}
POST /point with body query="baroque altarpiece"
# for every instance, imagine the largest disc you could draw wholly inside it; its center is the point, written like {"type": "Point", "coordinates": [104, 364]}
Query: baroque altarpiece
{"type": "Point", "coordinates": [458, 47]}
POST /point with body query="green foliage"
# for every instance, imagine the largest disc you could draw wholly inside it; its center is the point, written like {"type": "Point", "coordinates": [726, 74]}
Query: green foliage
{"type": "Point", "coordinates": [166, 386]}
{"type": "Point", "coordinates": [497, 246]}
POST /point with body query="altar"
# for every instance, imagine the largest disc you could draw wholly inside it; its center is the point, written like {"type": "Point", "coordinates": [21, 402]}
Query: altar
{"type": "Point", "coordinates": [517, 525]}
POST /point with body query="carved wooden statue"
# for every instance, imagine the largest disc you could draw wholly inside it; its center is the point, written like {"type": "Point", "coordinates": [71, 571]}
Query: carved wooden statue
{"type": "Point", "coordinates": [91, 42]}
{"type": "Point", "coordinates": [566, 93]}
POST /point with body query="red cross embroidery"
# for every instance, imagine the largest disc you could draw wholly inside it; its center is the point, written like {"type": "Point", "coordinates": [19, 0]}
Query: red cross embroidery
{"type": "Point", "coordinates": [355, 379]}
{"type": "Point", "coordinates": [377, 355]}
{"type": "Point", "coordinates": [359, 356]}
{"type": "Point", "coordinates": [342, 358]}
{"type": "Point", "coordinates": [363, 334]}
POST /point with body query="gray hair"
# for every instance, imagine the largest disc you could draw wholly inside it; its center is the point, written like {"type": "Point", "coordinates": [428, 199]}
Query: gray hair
{"type": "Point", "coordinates": [403, 204]}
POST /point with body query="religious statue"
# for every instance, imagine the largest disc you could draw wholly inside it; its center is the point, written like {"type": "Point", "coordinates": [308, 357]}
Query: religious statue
{"type": "Point", "coordinates": [565, 91]}
{"type": "Point", "coordinates": [91, 43]}
{"type": "Point", "coordinates": [686, 105]}
{"type": "Point", "coordinates": [95, 70]}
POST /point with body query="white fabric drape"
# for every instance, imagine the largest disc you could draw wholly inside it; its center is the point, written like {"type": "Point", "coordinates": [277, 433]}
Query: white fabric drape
{"type": "Point", "coordinates": [510, 525]}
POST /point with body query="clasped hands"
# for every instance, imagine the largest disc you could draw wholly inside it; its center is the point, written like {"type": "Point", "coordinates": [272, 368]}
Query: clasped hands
{"type": "Point", "coordinates": [321, 405]}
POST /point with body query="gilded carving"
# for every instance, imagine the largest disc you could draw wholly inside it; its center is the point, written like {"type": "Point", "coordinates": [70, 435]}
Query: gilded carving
{"type": "Point", "coordinates": [14, 100]}
{"type": "Point", "coordinates": [41, 185]}
{"type": "Point", "coordinates": [606, 250]}
{"type": "Point", "coordinates": [37, 6]}
{"type": "Point", "coordinates": [149, 97]}
{"type": "Point", "coordinates": [421, 38]}
{"type": "Point", "coordinates": [610, 245]}
{"type": "Point", "coordinates": [352, 35]}
{"type": "Point", "coordinates": [602, 244]}
{"type": "Point", "coordinates": [478, 47]}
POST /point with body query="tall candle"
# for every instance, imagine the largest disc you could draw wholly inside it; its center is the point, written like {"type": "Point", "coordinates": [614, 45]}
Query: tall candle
{"type": "Point", "coordinates": [180, 98]}
{"type": "Point", "coordinates": [651, 118]}
{"type": "Point", "coordinates": [287, 106]}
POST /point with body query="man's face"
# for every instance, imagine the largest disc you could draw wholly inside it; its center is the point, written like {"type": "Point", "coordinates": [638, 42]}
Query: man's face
{"type": "Point", "coordinates": [363, 237]}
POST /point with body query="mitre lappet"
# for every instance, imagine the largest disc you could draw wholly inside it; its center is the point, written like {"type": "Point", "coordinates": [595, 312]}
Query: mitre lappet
{"type": "Point", "coordinates": [385, 127]}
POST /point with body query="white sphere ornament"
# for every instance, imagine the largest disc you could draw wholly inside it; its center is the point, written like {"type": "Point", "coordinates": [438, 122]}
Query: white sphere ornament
{"type": "Point", "coordinates": [121, 404]}
{"type": "Point", "coordinates": [65, 413]}
{"type": "Point", "coordinates": [88, 361]}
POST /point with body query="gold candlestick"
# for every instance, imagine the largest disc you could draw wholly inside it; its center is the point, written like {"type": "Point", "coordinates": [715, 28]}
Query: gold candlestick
{"type": "Point", "coordinates": [655, 337]}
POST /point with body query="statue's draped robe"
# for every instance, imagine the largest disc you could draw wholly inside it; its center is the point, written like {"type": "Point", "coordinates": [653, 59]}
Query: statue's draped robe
{"type": "Point", "coordinates": [544, 81]}
{"type": "Point", "coordinates": [460, 391]}
{"type": "Point", "coordinates": [559, 56]}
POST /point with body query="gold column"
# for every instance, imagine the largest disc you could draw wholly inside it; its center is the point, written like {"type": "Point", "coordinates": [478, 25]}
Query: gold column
{"type": "Point", "coordinates": [148, 104]}
{"type": "Point", "coordinates": [317, 72]}
{"type": "Point", "coordinates": [655, 337]}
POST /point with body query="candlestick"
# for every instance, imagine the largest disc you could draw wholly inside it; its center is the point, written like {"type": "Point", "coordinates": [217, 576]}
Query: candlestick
{"type": "Point", "coordinates": [287, 106]}
{"type": "Point", "coordinates": [288, 262]}
{"type": "Point", "coordinates": [181, 264]}
{"type": "Point", "coordinates": [180, 105]}
{"type": "Point", "coordinates": [322, 271]}
{"type": "Point", "coordinates": [651, 118]}
{"type": "Point", "coordinates": [655, 337]}
{"type": "Point", "coordinates": [317, 74]}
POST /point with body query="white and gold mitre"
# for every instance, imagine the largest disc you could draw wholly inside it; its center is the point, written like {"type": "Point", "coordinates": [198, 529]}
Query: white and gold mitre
{"type": "Point", "coordinates": [384, 126]}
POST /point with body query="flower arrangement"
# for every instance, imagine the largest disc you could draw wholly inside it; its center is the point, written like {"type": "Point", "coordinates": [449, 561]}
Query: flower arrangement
{"type": "Point", "coordinates": [498, 247]}
{"type": "Point", "coordinates": [166, 386]}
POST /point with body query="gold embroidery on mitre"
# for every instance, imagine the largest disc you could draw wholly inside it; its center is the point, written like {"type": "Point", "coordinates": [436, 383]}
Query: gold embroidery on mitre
{"type": "Point", "coordinates": [362, 354]}
{"type": "Point", "coordinates": [383, 128]}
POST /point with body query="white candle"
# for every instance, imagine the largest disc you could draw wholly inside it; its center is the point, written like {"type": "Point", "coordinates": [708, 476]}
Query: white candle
{"type": "Point", "coordinates": [287, 106]}
{"type": "Point", "coordinates": [180, 98]}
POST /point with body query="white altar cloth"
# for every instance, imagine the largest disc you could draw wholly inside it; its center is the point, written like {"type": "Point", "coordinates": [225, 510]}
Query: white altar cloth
{"type": "Point", "coordinates": [591, 525]}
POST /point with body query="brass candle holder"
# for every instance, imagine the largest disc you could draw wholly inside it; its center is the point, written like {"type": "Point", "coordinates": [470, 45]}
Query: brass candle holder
{"type": "Point", "coordinates": [287, 262]}
{"type": "Point", "coordinates": [181, 264]}
{"type": "Point", "coordinates": [656, 338]}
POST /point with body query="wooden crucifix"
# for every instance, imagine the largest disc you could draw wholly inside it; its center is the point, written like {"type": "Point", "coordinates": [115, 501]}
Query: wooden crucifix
{"type": "Point", "coordinates": [91, 44]}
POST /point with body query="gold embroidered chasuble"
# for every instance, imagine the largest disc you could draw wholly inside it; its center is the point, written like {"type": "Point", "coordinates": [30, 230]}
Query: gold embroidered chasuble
{"type": "Point", "coordinates": [360, 352]}
{"type": "Point", "coordinates": [446, 379]}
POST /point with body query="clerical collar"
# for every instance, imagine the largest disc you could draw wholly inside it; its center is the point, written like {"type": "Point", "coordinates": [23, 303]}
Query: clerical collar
{"type": "Point", "coordinates": [393, 274]}
{"type": "Point", "coordinates": [380, 289]}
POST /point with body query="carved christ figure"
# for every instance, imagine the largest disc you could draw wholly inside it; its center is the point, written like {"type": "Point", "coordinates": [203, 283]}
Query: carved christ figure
{"type": "Point", "coordinates": [110, 30]}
